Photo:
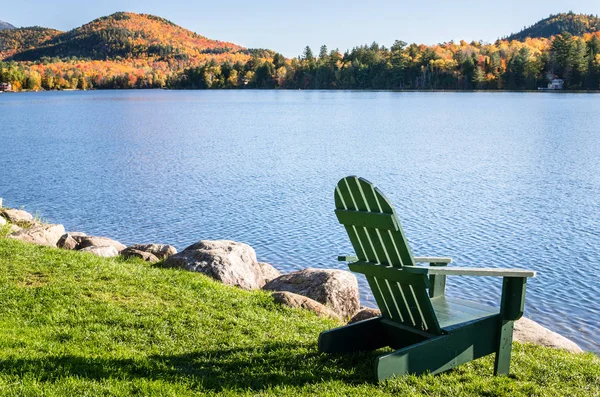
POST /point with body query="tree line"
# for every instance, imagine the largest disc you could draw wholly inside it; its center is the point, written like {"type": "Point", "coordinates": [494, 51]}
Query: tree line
{"type": "Point", "coordinates": [511, 65]}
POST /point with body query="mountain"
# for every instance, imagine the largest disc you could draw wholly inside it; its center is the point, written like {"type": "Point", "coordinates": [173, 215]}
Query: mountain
{"type": "Point", "coordinates": [22, 39]}
{"type": "Point", "coordinates": [126, 35]}
{"type": "Point", "coordinates": [576, 24]}
{"type": "Point", "coordinates": [5, 25]}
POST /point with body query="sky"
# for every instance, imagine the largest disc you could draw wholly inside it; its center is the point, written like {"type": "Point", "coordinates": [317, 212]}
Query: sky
{"type": "Point", "coordinates": [288, 27]}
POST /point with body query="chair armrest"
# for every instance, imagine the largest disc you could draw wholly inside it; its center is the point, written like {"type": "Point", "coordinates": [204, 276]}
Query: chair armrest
{"type": "Point", "coordinates": [347, 258]}
{"type": "Point", "coordinates": [470, 271]}
{"type": "Point", "coordinates": [432, 259]}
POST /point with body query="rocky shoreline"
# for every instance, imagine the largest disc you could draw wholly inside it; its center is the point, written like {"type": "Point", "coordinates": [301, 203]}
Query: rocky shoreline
{"type": "Point", "coordinates": [329, 293]}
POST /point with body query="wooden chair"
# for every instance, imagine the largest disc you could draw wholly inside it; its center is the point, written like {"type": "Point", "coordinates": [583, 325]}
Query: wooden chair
{"type": "Point", "coordinates": [431, 332]}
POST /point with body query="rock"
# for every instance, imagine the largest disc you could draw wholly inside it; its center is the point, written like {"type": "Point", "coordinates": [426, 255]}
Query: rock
{"type": "Point", "coordinates": [107, 251]}
{"type": "Point", "coordinates": [230, 262]}
{"type": "Point", "coordinates": [67, 241]}
{"type": "Point", "coordinates": [528, 331]}
{"type": "Point", "coordinates": [298, 301]}
{"type": "Point", "coordinates": [15, 228]}
{"type": "Point", "coordinates": [336, 289]}
{"type": "Point", "coordinates": [133, 253]}
{"type": "Point", "coordinates": [15, 216]}
{"type": "Point", "coordinates": [365, 314]}
{"type": "Point", "coordinates": [40, 234]}
{"type": "Point", "coordinates": [161, 251]}
{"type": "Point", "coordinates": [268, 271]}
{"type": "Point", "coordinates": [2, 221]}
{"type": "Point", "coordinates": [94, 241]}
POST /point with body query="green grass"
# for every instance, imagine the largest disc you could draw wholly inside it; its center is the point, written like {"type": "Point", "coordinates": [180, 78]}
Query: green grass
{"type": "Point", "coordinates": [73, 324]}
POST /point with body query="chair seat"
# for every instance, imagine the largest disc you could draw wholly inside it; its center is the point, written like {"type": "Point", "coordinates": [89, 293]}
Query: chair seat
{"type": "Point", "coordinates": [454, 311]}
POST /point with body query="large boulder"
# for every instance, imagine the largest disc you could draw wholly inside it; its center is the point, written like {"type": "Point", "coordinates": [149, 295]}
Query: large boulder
{"type": "Point", "coordinates": [67, 241]}
{"type": "Point", "coordinates": [336, 289]}
{"type": "Point", "coordinates": [107, 251]}
{"type": "Point", "coordinates": [94, 241]}
{"type": "Point", "coordinates": [133, 253]}
{"type": "Point", "coordinates": [161, 251]}
{"type": "Point", "coordinates": [299, 301]}
{"type": "Point", "coordinates": [40, 234]}
{"type": "Point", "coordinates": [528, 331]}
{"type": "Point", "coordinates": [230, 262]}
{"type": "Point", "coordinates": [16, 216]}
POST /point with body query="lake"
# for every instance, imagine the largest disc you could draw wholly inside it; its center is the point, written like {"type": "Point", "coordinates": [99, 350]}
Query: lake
{"type": "Point", "coordinates": [490, 179]}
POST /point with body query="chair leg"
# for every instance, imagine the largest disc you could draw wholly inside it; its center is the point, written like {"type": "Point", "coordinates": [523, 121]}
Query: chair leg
{"type": "Point", "coordinates": [505, 336]}
{"type": "Point", "coordinates": [361, 336]}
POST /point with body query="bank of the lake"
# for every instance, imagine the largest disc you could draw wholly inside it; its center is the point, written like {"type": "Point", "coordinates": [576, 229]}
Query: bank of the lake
{"type": "Point", "coordinates": [74, 323]}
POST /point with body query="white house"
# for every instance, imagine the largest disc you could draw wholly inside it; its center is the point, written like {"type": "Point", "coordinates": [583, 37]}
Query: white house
{"type": "Point", "coordinates": [556, 84]}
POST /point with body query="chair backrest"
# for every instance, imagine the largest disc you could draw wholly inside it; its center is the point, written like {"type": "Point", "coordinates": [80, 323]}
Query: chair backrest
{"type": "Point", "coordinates": [377, 237]}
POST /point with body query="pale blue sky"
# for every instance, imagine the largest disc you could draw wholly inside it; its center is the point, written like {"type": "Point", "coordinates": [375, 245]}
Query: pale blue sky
{"type": "Point", "coordinates": [288, 27]}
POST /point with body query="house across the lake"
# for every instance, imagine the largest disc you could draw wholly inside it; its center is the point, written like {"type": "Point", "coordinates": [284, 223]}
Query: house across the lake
{"type": "Point", "coordinates": [5, 87]}
{"type": "Point", "coordinates": [556, 84]}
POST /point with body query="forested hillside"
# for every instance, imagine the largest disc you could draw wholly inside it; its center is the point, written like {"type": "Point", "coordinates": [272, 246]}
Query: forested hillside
{"type": "Point", "coordinates": [575, 24]}
{"type": "Point", "coordinates": [127, 50]}
{"type": "Point", "coordinates": [126, 35]}
{"type": "Point", "coordinates": [13, 41]}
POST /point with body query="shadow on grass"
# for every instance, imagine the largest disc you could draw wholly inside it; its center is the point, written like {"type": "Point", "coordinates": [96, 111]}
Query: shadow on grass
{"type": "Point", "coordinates": [277, 364]}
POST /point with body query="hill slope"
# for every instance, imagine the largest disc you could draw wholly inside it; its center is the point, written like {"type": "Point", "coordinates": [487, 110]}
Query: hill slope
{"type": "Point", "coordinates": [5, 25]}
{"type": "Point", "coordinates": [576, 24]}
{"type": "Point", "coordinates": [13, 41]}
{"type": "Point", "coordinates": [127, 35]}
{"type": "Point", "coordinates": [72, 323]}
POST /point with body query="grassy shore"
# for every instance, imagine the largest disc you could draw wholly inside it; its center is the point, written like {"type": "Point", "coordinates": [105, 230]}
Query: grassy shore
{"type": "Point", "coordinates": [72, 323]}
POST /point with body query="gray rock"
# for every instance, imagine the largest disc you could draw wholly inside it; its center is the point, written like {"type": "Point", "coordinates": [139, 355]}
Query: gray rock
{"type": "Point", "coordinates": [365, 314]}
{"type": "Point", "coordinates": [95, 241]}
{"type": "Point", "coordinates": [2, 221]}
{"type": "Point", "coordinates": [133, 253]}
{"type": "Point", "coordinates": [161, 251]}
{"type": "Point", "coordinates": [15, 216]}
{"type": "Point", "coordinates": [269, 272]}
{"type": "Point", "coordinates": [107, 251]}
{"type": "Point", "coordinates": [230, 262]}
{"type": "Point", "coordinates": [40, 234]}
{"type": "Point", "coordinates": [336, 289]}
{"type": "Point", "coordinates": [15, 228]}
{"type": "Point", "coordinates": [528, 331]}
{"type": "Point", "coordinates": [298, 301]}
{"type": "Point", "coordinates": [67, 241]}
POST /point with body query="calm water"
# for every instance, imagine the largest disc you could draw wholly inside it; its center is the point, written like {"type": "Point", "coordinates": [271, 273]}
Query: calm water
{"type": "Point", "coordinates": [490, 179]}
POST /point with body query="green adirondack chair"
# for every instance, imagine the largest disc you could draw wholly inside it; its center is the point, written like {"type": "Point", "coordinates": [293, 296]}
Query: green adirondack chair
{"type": "Point", "coordinates": [431, 332]}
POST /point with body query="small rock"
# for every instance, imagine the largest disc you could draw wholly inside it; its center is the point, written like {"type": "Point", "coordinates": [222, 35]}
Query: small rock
{"type": "Point", "coordinates": [229, 262]}
{"type": "Point", "coordinates": [107, 251]}
{"type": "Point", "coordinates": [40, 234]}
{"type": "Point", "coordinates": [95, 241]}
{"type": "Point", "coordinates": [268, 271]}
{"type": "Point", "coordinates": [161, 251]}
{"type": "Point", "coordinates": [67, 241]}
{"type": "Point", "coordinates": [365, 314]}
{"type": "Point", "coordinates": [336, 289]}
{"type": "Point", "coordinates": [298, 301]}
{"type": "Point", "coordinates": [528, 331]}
{"type": "Point", "coordinates": [15, 228]}
{"type": "Point", "coordinates": [2, 221]}
{"type": "Point", "coordinates": [133, 253]}
{"type": "Point", "coordinates": [15, 216]}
